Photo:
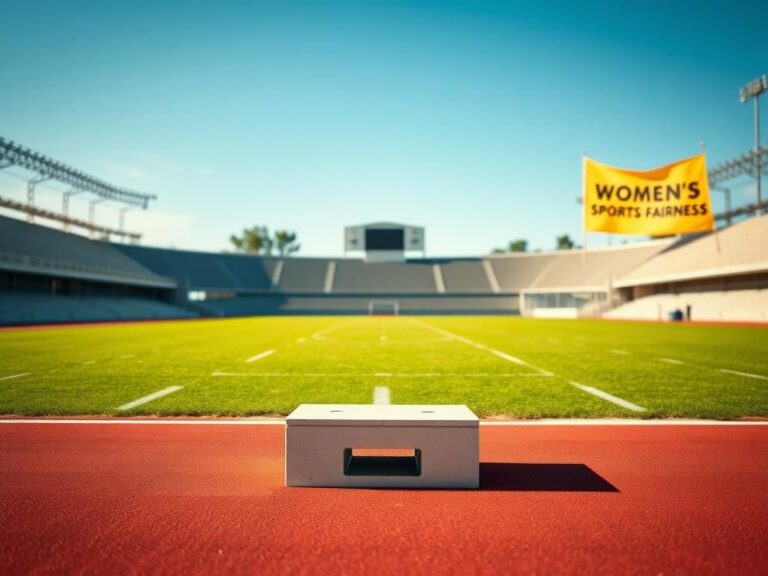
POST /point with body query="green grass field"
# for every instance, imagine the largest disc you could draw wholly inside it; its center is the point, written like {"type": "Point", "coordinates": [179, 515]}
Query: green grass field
{"type": "Point", "coordinates": [499, 366]}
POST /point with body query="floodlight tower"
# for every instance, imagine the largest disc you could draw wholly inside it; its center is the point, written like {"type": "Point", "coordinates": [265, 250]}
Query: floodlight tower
{"type": "Point", "coordinates": [753, 90]}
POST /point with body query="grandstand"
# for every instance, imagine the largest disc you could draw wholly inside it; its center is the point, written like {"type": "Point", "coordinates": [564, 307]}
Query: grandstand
{"type": "Point", "coordinates": [51, 276]}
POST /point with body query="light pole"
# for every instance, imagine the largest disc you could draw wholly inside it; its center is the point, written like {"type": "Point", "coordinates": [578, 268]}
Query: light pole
{"type": "Point", "coordinates": [753, 90]}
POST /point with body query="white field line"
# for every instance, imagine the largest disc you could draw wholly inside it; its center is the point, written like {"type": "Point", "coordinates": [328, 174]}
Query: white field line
{"type": "Point", "coordinates": [259, 356]}
{"type": "Point", "coordinates": [620, 352]}
{"type": "Point", "coordinates": [320, 333]}
{"type": "Point", "coordinates": [12, 376]}
{"type": "Point", "coordinates": [671, 361]}
{"type": "Point", "coordinates": [516, 360]}
{"type": "Point", "coordinates": [747, 374]}
{"type": "Point", "coordinates": [281, 422]}
{"type": "Point", "coordinates": [220, 374]}
{"type": "Point", "coordinates": [609, 397]}
{"type": "Point", "coordinates": [150, 397]}
{"type": "Point", "coordinates": [381, 395]}
{"type": "Point", "coordinates": [301, 340]}
{"type": "Point", "coordinates": [588, 389]}
{"type": "Point", "coordinates": [464, 340]}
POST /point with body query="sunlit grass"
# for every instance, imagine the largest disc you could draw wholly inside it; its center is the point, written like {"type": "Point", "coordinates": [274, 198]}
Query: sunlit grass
{"type": "Point", "coordinates": [96, 369]}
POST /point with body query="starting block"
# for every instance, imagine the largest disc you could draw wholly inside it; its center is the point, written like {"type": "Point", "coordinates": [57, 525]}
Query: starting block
{"type": "Point", "coordinates": [382, 446]}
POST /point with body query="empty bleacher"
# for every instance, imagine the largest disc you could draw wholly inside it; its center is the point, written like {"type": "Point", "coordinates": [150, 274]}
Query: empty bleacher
{"type": "Point", "coordinates": [519, 271]}
{"type": "Point", "coordinates": [732, 305]}
{"type": "Point", "coordinates": [738, 249]}
{"type": "Point", "coordinates": [595, 268]}
{"type": "Point", "coordinates": [357, 276]}
{"type": "Point", "coordinates": [207, 270]}
{"type": "Point", "coordinates": [303, 275]}
{"type": "Point", "coordinates": [465, 276]}
{"type": "Point", "coordinates": [50, 308]}
{"type": "Point", "coordinates": [28, 248]}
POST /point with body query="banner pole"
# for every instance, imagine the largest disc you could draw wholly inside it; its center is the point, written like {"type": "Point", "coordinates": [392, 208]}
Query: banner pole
{"type": "Point", "coordinates": [584, 212]}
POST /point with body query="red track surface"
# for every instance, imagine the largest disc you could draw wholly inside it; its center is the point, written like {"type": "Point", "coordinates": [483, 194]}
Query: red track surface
{"type": "Point", "coordinates": [180, 498]}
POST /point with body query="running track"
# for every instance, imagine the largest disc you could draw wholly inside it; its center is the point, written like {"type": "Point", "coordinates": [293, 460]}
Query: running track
{"type": "Point", "coordinates": [572, 499]}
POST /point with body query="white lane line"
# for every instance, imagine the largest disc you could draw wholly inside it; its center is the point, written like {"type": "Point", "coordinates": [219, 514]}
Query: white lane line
{"type": "Point", "coordinates": [381, 374]}
{"type": "Point", "coordinates": [281, 422]}
{"type": "Point", "coordinates": [469, 342]}
{"type": "Point", "coordinates": [747, 374]}
{"type": "Point", "coordinates": [381, 395]}
{"type": "Point", "coordinates": [621, 422]}
{"type": "Point", "coordinates": [260, 356]}
{"type": "Point", "coordinates": [12, 376]}
{"type": "Point", "coordinates": [150, 397]}
{"type": "Point", "coordinates": [515, 360]}
{"type": "Point", "coordinates": [609, 397]}
{"type": "Point", "coordinates": [671, 361]}
{"type": "Point", "coordinates": [89, 362]}
{"type": "Point", "coordinates": [620, 352]}
{"type": "Point", "coordinates": [301, 341]}
{"type": "Point", "coordinates": [320, 333]}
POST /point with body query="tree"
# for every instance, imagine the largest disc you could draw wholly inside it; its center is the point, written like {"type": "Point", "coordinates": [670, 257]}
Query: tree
{"type": "Point", "coordinates": [254, 240]}
{"type": "Point", "coordinates": [285, 242]}
{"type": "Point", "coordinates": [518, 245]}
{"type": "Point", "coordinates": [564, 242]}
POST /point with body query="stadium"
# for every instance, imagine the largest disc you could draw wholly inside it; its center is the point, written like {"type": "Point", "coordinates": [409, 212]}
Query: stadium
{"type": "Point", "coordinates": [254, 408]}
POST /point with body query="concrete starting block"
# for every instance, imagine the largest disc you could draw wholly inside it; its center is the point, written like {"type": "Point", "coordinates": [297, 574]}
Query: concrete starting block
{"type": "Point", "coordinates": [382, 446]}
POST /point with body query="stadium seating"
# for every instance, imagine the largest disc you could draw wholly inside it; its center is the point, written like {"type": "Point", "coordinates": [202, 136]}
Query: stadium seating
{"type": "Point", "coordinates": [303, 275]}
{"type": "Point", "coordinates": [738, 249]}
{"type": "Point", "coordinates": [37, 249]}
{"type": "Point", "coordinates": [357, 276]}
{"type": "Point", "coordinates": [47, 308]}
{"type": "Point", "coordinates": [106, 281]}
{"type": "Point", "coordinates": [735, 305]}
{"type": "Point", "coordinates": [515, 272]}
{"type": "Point", "coordinates": [465, 276]}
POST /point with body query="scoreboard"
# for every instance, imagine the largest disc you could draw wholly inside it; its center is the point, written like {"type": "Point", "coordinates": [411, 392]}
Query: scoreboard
{"type": "Point", "coordinates": [384, 240]}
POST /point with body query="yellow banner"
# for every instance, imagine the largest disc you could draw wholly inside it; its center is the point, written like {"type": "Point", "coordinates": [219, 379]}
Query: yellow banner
{"type": "Point", "coordinates": [669, 200]}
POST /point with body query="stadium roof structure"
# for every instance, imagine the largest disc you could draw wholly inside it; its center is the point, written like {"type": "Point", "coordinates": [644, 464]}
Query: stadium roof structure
{"type": "Point", "coordinates": [45, 168]}
{"type": "Point", "coordinates": [12, 154]}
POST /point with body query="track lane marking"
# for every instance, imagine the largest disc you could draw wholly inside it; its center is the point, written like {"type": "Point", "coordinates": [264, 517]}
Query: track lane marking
{"type": "Point", "coordinates": [12, 376]}
{"type": "Point", "coordinates": [281, 422]}
{"type": "Point", "coordinates": [747, 374]}
{"type": "Point", "coordinates": [381, 395]}
{"type": "Point", "coordinates": [609, 397]}
{"type": "Point", "coordinates": [259, 356]}
{"type": "Point", "coordinates": [150, 397]}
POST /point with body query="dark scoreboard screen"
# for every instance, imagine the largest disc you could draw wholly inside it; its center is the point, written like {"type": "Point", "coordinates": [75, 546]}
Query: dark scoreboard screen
{"type": "Point", "coordinates": [384, 239]}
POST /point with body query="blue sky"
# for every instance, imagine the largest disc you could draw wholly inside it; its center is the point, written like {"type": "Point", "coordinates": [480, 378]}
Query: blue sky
{"type": "Point", "coordinates": [469, 118]}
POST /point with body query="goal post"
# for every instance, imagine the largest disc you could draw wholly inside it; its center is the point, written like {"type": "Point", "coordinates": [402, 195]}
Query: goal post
{"type": "Point", "coordinates": [383, 308]}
